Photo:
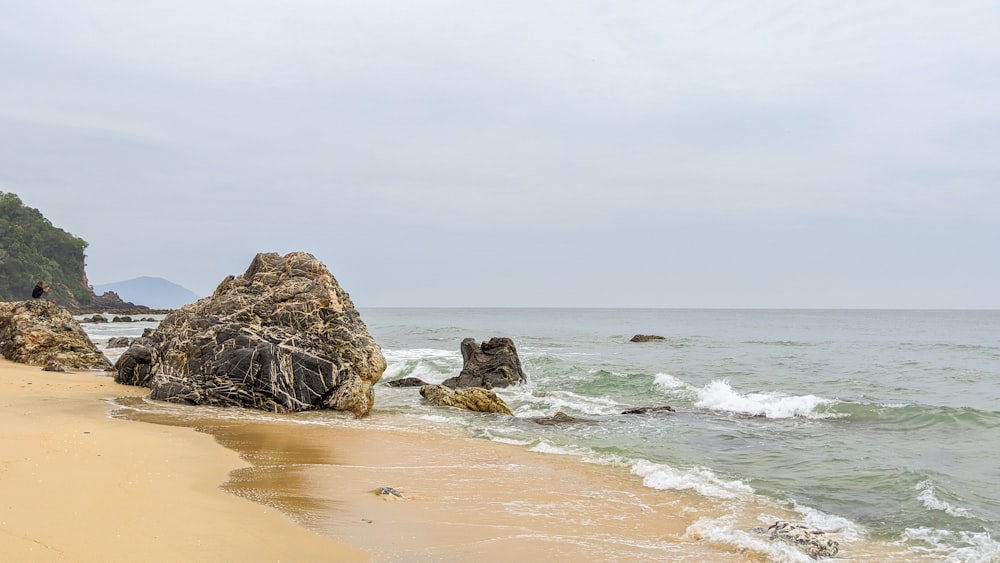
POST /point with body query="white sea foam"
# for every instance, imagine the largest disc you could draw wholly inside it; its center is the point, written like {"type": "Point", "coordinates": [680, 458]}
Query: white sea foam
{"type": "Point", "coordinates": [698, 479]}
{"type": "Point", "coordinates": [722, 531]}
{"type": "Point", "coordinates": [953, 547]}
{"type": "Point", "coordinates": [931, 501]}
{"type": "Point", "coordinates": [820, 520]}
{"type": "Point", "coordinates": [420, 354]}
{"type": "Point", "coordinates": [548, 403]}
{"type": "Point", "coordinates": [668, 381]}
{"type": "Point", "coordinates": [720, 396]}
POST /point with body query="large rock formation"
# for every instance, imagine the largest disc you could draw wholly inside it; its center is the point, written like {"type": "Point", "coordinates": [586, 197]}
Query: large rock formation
{"type": "Point", "coordinates": [281, 337]}
{"type": "Point", "coordinates": [472, 398]}
{"type": "Point", "coordinates": [41, 333]}
{"type": "Point", "coordinates": [494, 363]}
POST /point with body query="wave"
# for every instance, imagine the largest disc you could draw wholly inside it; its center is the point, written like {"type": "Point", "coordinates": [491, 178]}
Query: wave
{"type": "Point", "coordinates": [699, 479]}
{"type": "Point", "coordinates": [720, 396]}
{"type": "Point", "coordinates": [932, 502]}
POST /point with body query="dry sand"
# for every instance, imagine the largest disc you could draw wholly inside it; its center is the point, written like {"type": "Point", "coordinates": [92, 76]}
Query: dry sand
{"type": "Point", "coordinates": [76, 485]}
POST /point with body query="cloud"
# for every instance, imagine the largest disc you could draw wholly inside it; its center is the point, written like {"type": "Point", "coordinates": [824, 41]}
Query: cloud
{"type": "Point", "coordinates": [415, 132]}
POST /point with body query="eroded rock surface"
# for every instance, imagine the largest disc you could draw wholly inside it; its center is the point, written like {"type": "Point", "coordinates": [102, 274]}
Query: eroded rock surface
{"type": "Point", "coordinates": [41, 333]}
{"type": "Point", "coordinates": [282, 337]}
{"type": "Point", "coordinates": [471, 398]}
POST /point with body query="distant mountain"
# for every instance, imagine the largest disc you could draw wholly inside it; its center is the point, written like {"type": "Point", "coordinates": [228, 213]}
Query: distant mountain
{"type": "Point", "coordinates": [156, 293]}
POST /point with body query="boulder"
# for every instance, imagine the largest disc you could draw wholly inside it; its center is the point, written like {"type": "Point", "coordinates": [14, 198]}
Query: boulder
{"type": "Point", "coordinates": [646, 338]}
{"type": "Point", "coordinates": [470, 398]}
{"type": "Point", "coordinates": [282, 337]}
{"type": "Point", "coordinates": [41, 333]}
{"type": "Point", "coordinates": [494, 363]}
{"type": "Point", "coordinates": [118, 342]}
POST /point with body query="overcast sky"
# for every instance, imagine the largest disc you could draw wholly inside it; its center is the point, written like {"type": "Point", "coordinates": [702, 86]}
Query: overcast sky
{"type": "Point", "coordinates": [477, 153]}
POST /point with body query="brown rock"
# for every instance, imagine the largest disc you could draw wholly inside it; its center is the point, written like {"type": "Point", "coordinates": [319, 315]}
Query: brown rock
{"type": "Point", "coordinates": [646, 338]}
{"type": "Point", "coordinates": [470, 398]}
{"type": "Point", "coordinates": [282, 337]}
{"type": "Point", "coordinates": [41, 333]}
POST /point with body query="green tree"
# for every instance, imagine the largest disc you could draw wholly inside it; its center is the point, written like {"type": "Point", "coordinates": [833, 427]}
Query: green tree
{"type": "Point", "coordinates": [32, 249]}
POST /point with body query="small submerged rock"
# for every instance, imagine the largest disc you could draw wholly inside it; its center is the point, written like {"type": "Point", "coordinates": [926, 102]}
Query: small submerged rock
{"type": "Point", "coordinates": [559, 418]}
{"type": "Point", "coordinates": [646, 338]}
{"type": "Point", "coordinates": [647, 410]}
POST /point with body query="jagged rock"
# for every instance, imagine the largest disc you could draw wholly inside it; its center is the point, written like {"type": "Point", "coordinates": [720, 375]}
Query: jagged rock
{"type": "Point", "coordinates": [494, 363]}
{"type": "Point", "coordinates": [470, 398]}
{"type": "Point", "coordinates": [118, 342]}
{"type": "Point", "coordinates": [40, 333]}
{"type": "Point", "coordinates": [646, 337]}
{"type": "Point", "coordinates": [282, 337]}
{"type": "Point", "coordinates": [559, 418]}
{"type": "Point", "coordinates": [647, 410]}
{"type": "Point", "coordinates": [813, 542]}
{"type": "Point", "coordinates": [407, 382]}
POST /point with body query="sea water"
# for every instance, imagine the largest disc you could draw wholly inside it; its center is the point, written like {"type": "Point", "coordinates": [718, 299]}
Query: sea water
{"type": "Point", "coordinates": [878, 426]}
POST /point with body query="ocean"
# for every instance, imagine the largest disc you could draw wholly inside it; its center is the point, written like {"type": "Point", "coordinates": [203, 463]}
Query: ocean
{"type": "Point", "coordinates": [877, 427]}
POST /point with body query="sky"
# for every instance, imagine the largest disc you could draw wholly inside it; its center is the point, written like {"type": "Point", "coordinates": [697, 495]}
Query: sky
{"type": "Point", "coordinates": [447, 153]}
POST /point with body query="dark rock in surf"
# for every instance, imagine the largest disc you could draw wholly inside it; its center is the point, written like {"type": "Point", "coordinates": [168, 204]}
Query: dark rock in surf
{"type": "Point", "coordinates": [559, 418]}
{"type": "Point", "coordinates": [118, 342]}
{"type": "Point", "coordinates": [646, 338]}
{"type": "Point", "coordinates": [647, 410]}
{"type": "Point", "coordinates": [494, 363]}
{"type": "Point", "coordinates": [282, 337]}
{"type": "Point", "coordinates": [406, 382]}
{"type": "Point", "coordinates": [470, 398]}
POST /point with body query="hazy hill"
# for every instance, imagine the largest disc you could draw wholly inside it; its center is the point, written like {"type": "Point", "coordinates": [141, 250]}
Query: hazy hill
{"type": "Point", "coordinates": [156, 293]}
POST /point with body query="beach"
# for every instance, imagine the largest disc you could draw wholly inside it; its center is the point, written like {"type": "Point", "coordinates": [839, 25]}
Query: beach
{"type": "Point", "coordinates": [78, 485]}
{"type": "Point", "coordinates": [865, 425]}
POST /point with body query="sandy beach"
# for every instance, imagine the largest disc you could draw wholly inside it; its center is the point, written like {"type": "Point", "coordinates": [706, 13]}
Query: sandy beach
{"type": "Point", "coordinates": [80, 485]}
{"type": "Point", "coordinates": [77, 485]}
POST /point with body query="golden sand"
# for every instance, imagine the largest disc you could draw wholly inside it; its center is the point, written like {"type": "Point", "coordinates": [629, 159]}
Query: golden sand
{"type": "Point", "coordinates": [76, 485]}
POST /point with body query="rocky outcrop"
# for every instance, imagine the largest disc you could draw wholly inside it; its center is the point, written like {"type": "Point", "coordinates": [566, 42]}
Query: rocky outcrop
{"type": "Point", "coordinates": [646, 338]}
{"type": "Point", "coordinates": [282, 337]}
{"type": "Point", "coordinates": [494, 363]}
{"type": "Point", "coordinates": [814, 542]}
{"type": "Point", "coordinates": [41, 333]}
{"type": "Point", "coordinates": [471, 398]}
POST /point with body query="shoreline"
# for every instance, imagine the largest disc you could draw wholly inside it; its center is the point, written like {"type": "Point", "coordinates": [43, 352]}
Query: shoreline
{"type": "Point", "coordinates": [92, 471]}
{"type": "Point", "coordinates": [78, 485]}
